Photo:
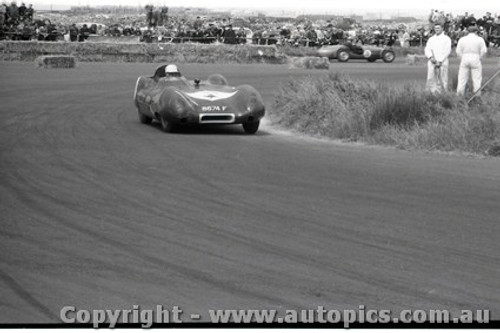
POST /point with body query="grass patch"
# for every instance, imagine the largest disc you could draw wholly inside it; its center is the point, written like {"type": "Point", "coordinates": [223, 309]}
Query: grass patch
{"type": "Point", "coordinates": [407, 116]}
{"type": "Point", "coordinates": [143, 52]}
{"type": "Point", "coordinates": [332, 106]}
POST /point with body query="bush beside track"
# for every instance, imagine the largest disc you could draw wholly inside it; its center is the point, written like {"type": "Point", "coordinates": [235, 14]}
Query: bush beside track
{"type": "Point", "coordinates": [408, 117]}
{"type": "Point", "coordinates": [144, 52]}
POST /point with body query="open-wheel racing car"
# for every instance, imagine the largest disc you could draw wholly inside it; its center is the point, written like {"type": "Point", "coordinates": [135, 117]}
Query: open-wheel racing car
{"type": "Point", "coordinates": [344, 52]}
{"type": "Point", "coordinates": [174, 101]}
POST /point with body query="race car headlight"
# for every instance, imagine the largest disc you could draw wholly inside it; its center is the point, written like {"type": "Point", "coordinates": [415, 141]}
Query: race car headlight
{"type": "Point", "coordinates": [253, 103]}
{"type": "Point", "coordinates": [181, 107]}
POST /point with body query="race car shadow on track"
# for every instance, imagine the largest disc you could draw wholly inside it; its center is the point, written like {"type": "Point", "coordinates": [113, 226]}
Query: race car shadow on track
{"type": "Point", "coordinates": [209, 129]}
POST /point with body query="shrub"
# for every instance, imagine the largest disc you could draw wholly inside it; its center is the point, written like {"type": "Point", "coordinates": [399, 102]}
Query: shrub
{"type": "Point", "coordinates": [405, 116]}
{"type": "Point", "coordinates": [333, 106]}
{"type": "Point", "coordinates": [408, 105]}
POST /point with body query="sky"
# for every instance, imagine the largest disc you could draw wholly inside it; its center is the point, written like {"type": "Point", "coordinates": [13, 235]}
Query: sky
{"type": "Point", "coordinates": [403, 7]}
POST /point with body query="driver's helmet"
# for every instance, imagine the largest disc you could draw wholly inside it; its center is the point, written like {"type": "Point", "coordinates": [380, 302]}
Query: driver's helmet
{"type": "Point", "coordinates": [172, 71]}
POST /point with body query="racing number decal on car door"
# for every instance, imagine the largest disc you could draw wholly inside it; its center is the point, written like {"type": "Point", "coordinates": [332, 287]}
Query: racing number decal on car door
{"type": "Point", "coordinates": [367, 53]}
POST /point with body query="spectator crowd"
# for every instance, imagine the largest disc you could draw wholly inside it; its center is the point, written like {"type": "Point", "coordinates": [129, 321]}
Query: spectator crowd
{"type": "Point", "coordinates": [158, 25]}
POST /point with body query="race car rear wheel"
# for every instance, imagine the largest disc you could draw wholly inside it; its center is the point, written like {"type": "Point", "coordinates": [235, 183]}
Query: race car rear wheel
{"type": "Point", "coordinates": [343, 55]}
{"type": "Point", "coordinates": [166, 125]}
{"type": "Point", "coordinates": [144, 119]}
{"type": "Point", "coordinates": [251, 128]}
{"type": "Point", "coordinates": [388, 56]}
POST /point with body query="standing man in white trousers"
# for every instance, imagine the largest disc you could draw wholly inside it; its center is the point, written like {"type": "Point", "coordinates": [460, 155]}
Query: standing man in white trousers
{"type": "Point", "coordinates": [437, 50]}
{"type": "Point", "coordinates": [470, 49]}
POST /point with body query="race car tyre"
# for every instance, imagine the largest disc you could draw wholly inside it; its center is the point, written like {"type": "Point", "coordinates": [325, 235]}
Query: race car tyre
{"type": "Point", "coordinates": [251, 128]}
{"type": "Point", "coordinates": [388, 56]}
{"type": "Point", "coordinates": [166, 125]}
{"type": "Point", "coordinates": [342, 55]}
{"type": "Point", "coordinates": [144, 119]}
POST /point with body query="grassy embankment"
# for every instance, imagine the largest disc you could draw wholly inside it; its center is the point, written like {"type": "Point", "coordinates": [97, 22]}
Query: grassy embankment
{"type": "Point", "coordinates": [142, 52]}
{"type": "Point", "coordinates": [408, 117]}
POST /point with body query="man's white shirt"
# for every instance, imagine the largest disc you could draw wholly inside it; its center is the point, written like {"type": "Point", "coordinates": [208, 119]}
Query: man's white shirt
{"type": "Point", "coordinates": [439, 47]}
{"type": "Point", "coordinates": [471, 44]}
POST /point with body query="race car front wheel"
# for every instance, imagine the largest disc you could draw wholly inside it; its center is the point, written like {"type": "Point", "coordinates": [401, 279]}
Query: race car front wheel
{"type": "Point", "coordinates": [251, 128]}
{"type": "Point", "coordinates": [166, 125]}
{"type": "Point", "coordinates": [144, 119]}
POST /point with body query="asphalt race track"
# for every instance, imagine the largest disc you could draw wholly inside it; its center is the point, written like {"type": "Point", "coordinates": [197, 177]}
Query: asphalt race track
{"type": "Point", "coordinates": [99, 211]}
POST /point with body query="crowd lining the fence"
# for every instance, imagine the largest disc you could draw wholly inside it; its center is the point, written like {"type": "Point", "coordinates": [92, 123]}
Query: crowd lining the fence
{"type": "Point", "coordinates": [157, 25]}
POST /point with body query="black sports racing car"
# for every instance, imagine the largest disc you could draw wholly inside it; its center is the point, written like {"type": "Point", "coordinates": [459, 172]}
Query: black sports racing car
{"type": "Point", "coordinates": [175, 101]}
{"type": "Point", "coordinates": [344, 52]}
